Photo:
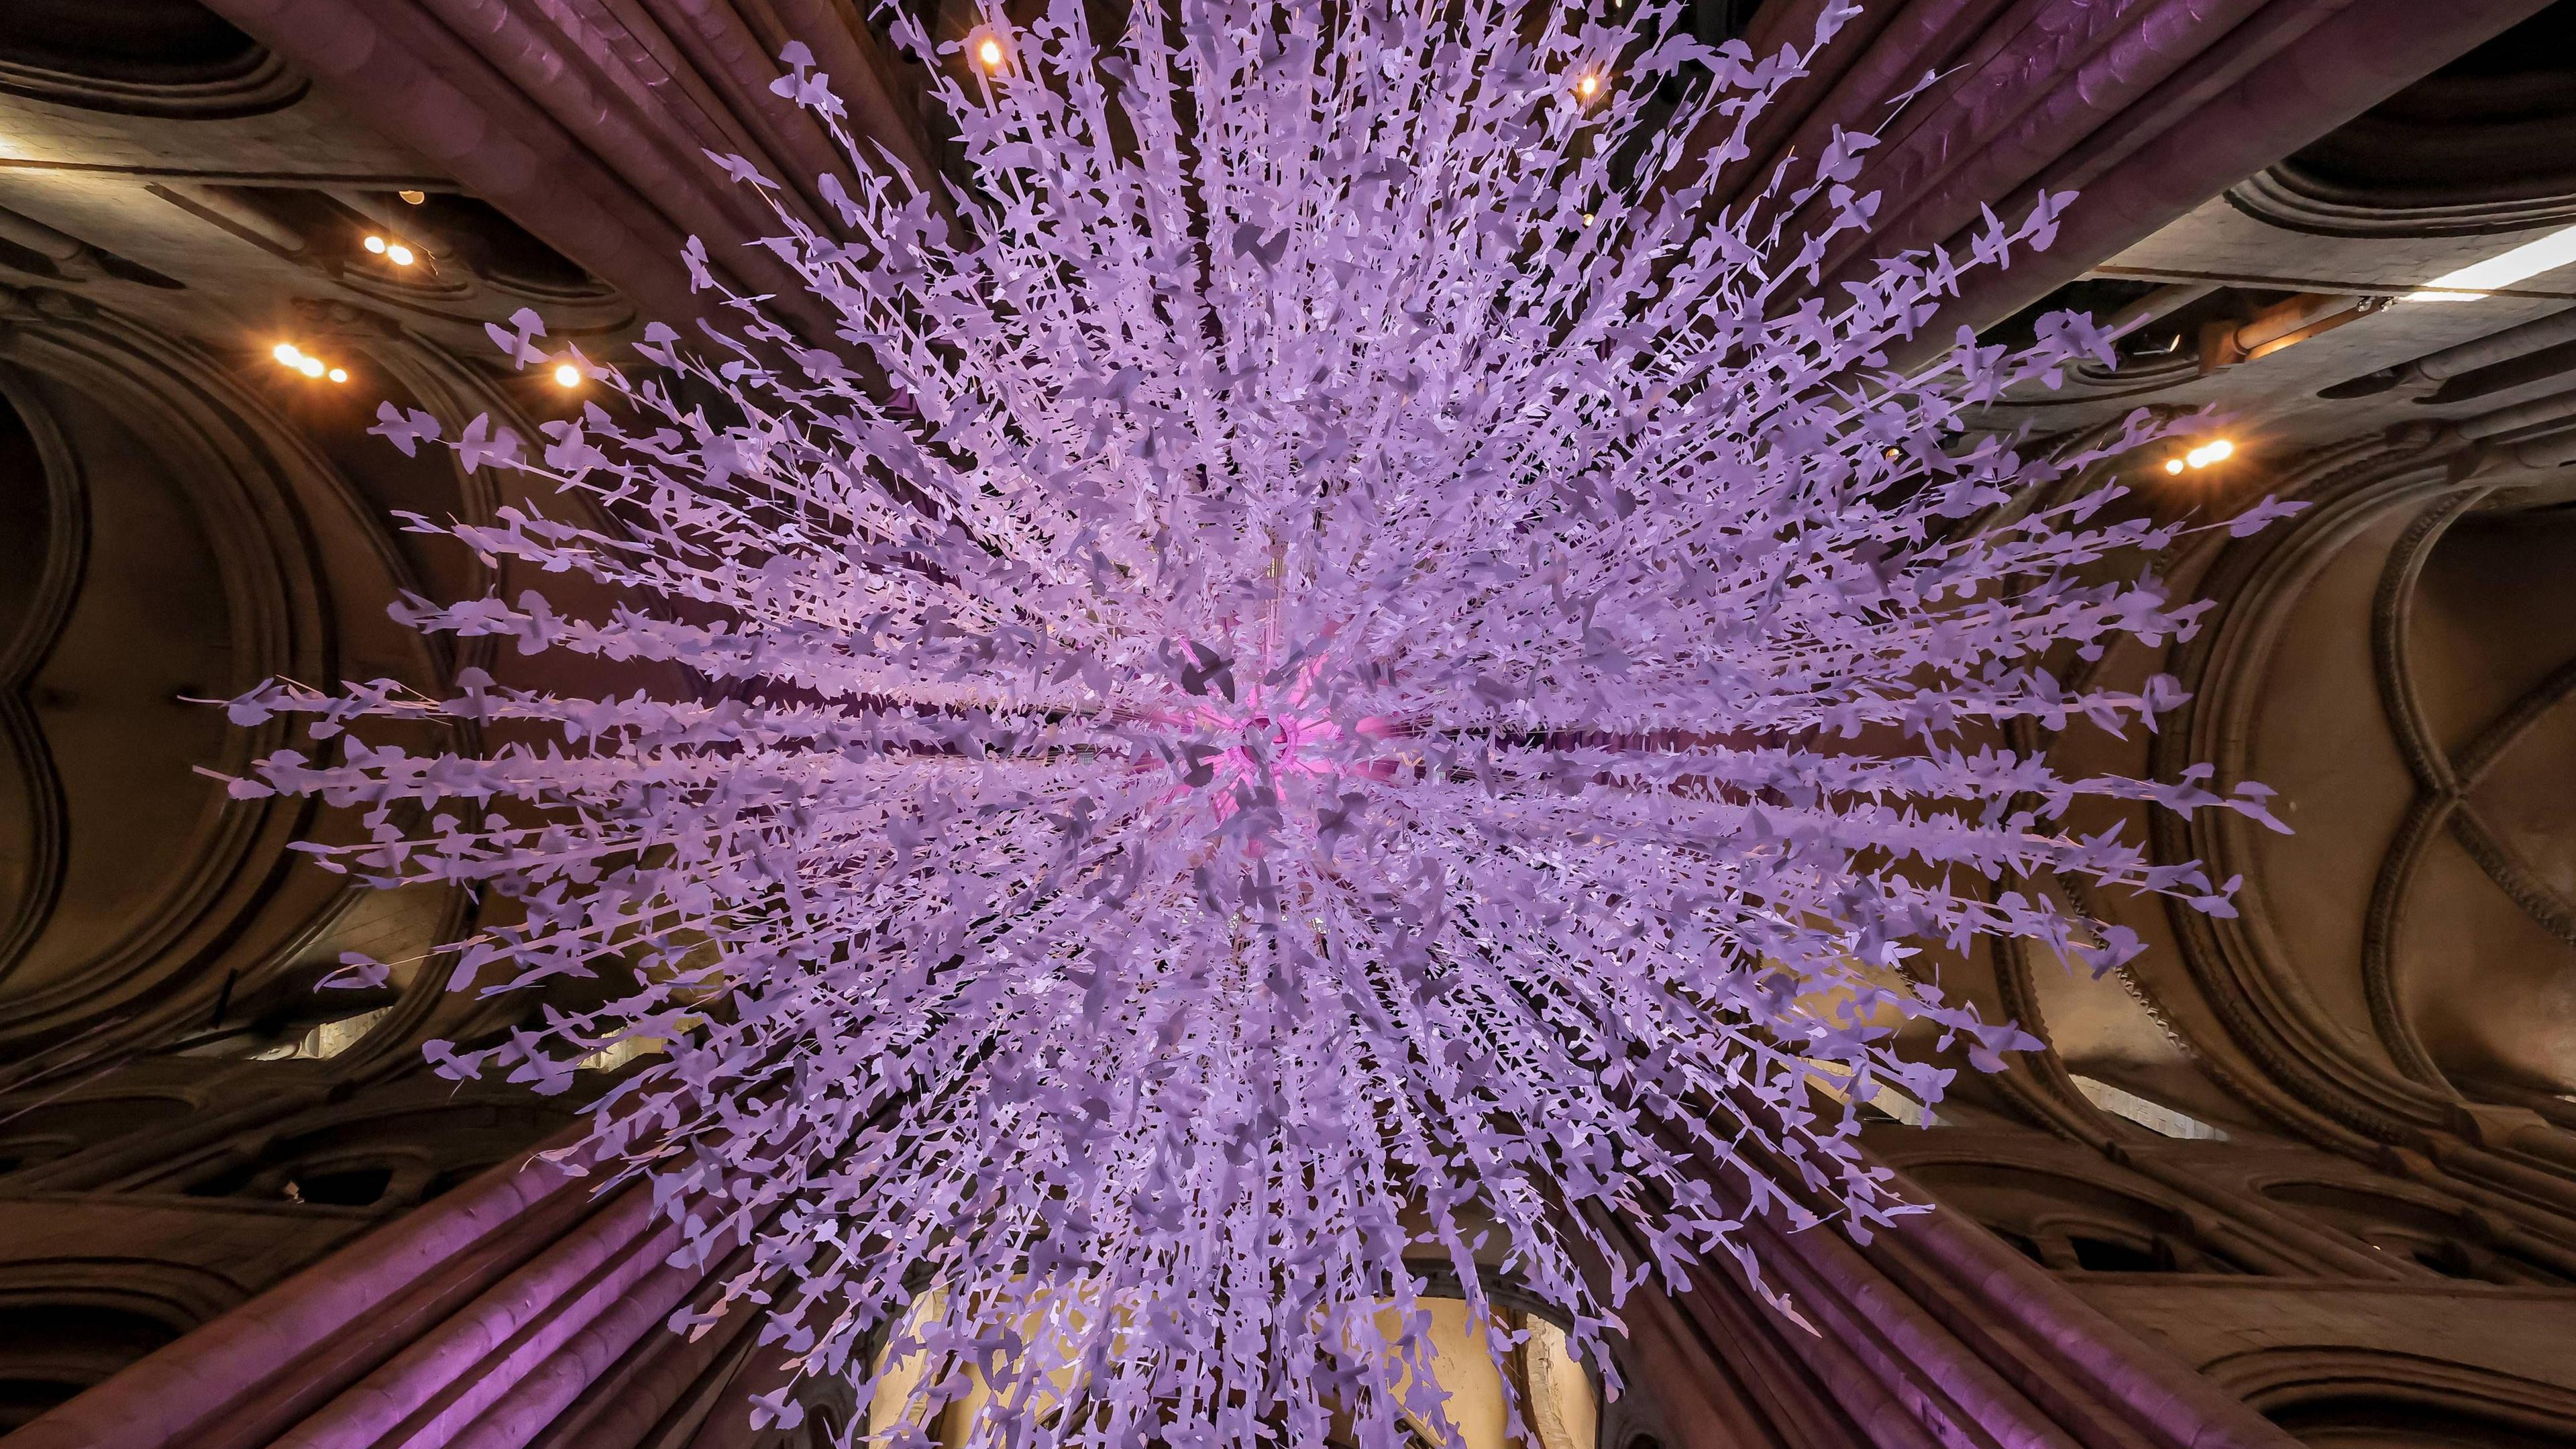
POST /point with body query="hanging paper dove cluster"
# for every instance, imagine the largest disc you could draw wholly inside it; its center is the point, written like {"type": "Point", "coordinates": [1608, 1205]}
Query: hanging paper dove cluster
{"type": "Point", "coordinates": [1311, 674]}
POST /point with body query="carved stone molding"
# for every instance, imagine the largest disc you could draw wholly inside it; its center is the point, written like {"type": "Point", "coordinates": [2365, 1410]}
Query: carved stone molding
{"type": "Point", "coordinates": [2376, 1391]}
{"type": "Point", "coordinates": [166, 58]}
{"type": "Point", "coordinates": [300, 557]}
{"type": "Point", "coordinates": [2481, 145]}
{"type": "Point", "coordinates": [2288, 198]}
{"type": "Point", "coordinates": [2236, 962]}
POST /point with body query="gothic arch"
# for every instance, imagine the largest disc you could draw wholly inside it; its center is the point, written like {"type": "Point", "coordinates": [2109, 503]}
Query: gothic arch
{"type": "Point", "coordinates": [169, 58]}
{"type": "Point", "coordinates": [2359, 1398]}
{"type": "Point", "coordinates": [294, 566]}
{"type": "Point", "coordinates": [2311, 1070]}
{"type": "Point", "coordinates": [2481, 145]}
{"type": "Point", "coordinates": [2081, 1223]}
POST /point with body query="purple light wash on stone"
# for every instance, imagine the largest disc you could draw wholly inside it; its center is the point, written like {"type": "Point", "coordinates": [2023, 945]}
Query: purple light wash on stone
{"type": "Point", "coordinates": [1319, 676]}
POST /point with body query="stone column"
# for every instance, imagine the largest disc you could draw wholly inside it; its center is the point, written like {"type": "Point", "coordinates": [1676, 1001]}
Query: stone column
{"type": "Point", "coordinates": [524, 1308]}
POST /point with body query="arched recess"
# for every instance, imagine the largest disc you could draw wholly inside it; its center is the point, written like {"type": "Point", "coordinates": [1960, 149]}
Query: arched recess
{"type": "Point", "coordinates": [2410, 1225]}
{"type": "Point", "coordinates": [44, 544]}
{"type": "Point", "coordinates": [2337, 1397]}
{"type": "Point", "coordinates": [2284, 690]}
{"type": "Point", "coordinates": [168, 58]}
{"type": "Point", "coordinates": [45, 1131]}
{"type": "Point", "coordinates": [67, 1323]}
{"type": "Point", "coordinates": [2079, 1225]}
{"type": "Point", "coordinates": [2479, 664]}
{"type": "Point", "coordinates": [384, 1158]}
{"type": "Point", "coordinates": [2485, 144]}
{"type": "Point", "coordinates": [216, 547]}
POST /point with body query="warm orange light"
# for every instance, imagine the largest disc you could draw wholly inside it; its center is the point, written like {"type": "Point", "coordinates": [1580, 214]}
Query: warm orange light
{"type": "Point", "coordinates": [1589, 86]}
{"type": "Point", "coordinates": [567, 375]}
{"type": "Point", "coordinates": [415, 198]}
{"type": "Point", "coordinates": [2173, 465]}
{"type": "Point", "coordinates": [398, 254]}
{"type": "Point", "coordinates": [339, 374]}
{"type": "Point", "coordinates": [309, 366]}
{"type": "Point", "coordinates": [990, 53]}
{"type": "Point", "coordinates": [287, 353]}
{"type": "Point", "coordinates": [376, 244]}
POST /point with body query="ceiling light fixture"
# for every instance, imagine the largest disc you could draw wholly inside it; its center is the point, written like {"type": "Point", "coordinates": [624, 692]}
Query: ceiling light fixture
{"type": "Point", "coordinates": [2216, 450]}
{"type": "Point", "coordinates": [567, 375]}
{"type": "Point", "coordinates": [990, 53]}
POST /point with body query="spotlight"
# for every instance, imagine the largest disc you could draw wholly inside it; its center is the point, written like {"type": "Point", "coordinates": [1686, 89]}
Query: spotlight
{"type": "Point", "coordinates": [567, 375]}
{"type": "Point", "coordinates": [287, 353]}
{"type": "Point", "coordinates": [990, 53]}
{"type": "Point", "coordinates": [2219, 450]}
{"type": "Point", "coordinates": [339, 374]}
{"type": "Point", "coordinates": [1589, 86]}
{"type": "Point", "coordinates": [398, 254]}
{"type": "Point", "coordinates": [413, 197]}
{"type": "Point", "coordinates": [376, 244]}
{"type": "Point", "coordinates": [1589, 218]}
{"type": "Point", "coordinates": [309, 366]}
{"type": "Point", "coordinates": [2173, 465]}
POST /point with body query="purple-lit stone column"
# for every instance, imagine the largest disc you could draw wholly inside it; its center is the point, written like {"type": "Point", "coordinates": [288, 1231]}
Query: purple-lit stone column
{"type": "Point", "coordinates": [519, 1305]}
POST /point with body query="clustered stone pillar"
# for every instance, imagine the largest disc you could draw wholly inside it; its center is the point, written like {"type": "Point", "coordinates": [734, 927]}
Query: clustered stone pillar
{"type": "Point", "coordinates": [523, 1309]}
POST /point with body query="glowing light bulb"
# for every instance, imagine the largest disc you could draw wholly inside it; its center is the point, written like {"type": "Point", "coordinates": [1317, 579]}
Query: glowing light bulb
{"type": "Point", "coordinates": [376, 244]}
{"type": "Point", "coordinates": [309, 366]}
{"type": "Point", "coordinates": [2173, 465]}
{"type": "Point", "coordinates": [567, 375]}
{"type": "Point", "coordinates": [287, 353]}
{"type": "Point", "coordinates": [1589, 86]}
{"type": "Point", "coordinates": [1589, 218]}
{"type": "Point", "coordinates": [339, 374]}
{"type": "Point", "coordinates": [2219, 450]}
{"type": "Point", "coordinates": [990, 53]}
{"type": "Point", "coordinates": [398, 254]}
{"type": "Point", "coordinates": [415, 198]}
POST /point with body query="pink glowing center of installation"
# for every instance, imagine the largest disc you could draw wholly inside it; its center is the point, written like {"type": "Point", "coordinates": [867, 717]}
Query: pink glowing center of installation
{"type": "Point", "coordinates": [1234, 755]}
